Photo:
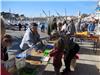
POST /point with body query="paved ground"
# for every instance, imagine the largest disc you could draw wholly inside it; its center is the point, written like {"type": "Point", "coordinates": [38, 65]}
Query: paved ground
{"type": "Point", "coordinates": [88, 63]}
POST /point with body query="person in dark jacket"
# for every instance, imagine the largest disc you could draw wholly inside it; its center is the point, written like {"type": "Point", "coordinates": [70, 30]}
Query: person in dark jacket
{"type": "Point", "coordinates": [91, 26]}
{"type": "Point", "coordinates": [71, 27]}
{"type": "Point", "coordinates": [43, 27]}
{"type": "Point", "coordinates": [20, 26]}
{"type": "Point", "coordinates": [71, 49]}
{"type": "Point", "coordinates": [52, 26]}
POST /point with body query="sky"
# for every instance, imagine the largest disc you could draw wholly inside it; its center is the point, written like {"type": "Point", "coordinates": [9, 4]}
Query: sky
{"type": "Point", "coordinates": [35, 8]}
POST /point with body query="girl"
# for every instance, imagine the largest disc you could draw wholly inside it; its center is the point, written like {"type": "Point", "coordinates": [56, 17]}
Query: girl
{"type": "Point", "coordinates": [57, 54]}
{"type": "Point", "coordinates": [5, 42]}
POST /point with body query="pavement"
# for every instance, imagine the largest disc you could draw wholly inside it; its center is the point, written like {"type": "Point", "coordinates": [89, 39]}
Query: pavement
{"type": "Point", "coordinates": [87, 64]}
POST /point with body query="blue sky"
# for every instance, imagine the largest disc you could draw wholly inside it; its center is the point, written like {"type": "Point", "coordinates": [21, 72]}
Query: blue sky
{"type": "Point", "coordinates": [34, 8]}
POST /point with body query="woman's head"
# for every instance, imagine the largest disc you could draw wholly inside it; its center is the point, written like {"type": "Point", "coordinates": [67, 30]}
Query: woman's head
{"type": "Point", "coordinates": [7, 40]}
{"type": "Point", "coordinates": [33, 27]}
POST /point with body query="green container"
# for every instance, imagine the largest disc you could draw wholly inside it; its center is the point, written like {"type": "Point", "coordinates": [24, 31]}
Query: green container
{"type": "Point", "coordinates": [46, 52]}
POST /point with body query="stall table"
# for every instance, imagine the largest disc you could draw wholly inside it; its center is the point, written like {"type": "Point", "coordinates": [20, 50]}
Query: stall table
{"type": "Point", "coordinates": [34, 60]}
{"type": "Point", "coordinates": [94, 38]}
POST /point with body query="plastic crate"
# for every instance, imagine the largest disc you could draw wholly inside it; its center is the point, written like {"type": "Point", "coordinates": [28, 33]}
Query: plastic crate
{"type": "Point", "coordinates": [46, 52]}
{"type": "Point", "coordinates": [49, 47]}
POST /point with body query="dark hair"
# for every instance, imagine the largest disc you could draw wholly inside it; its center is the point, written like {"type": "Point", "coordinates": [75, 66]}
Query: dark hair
{"type": "Point", "coordinates": [33, 24]}
{"type": "Point", "coordinates": [64, 22]}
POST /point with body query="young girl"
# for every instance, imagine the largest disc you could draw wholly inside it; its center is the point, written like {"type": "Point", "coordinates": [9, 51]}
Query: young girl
{"type": "Point", "coordinates": [57, 54]}
{"type": "Point", "coordinates": [5, 42]}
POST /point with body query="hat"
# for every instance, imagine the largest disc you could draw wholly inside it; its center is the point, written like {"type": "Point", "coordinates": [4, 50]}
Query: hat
{"type": "Point", "coordinates": [33, 24]}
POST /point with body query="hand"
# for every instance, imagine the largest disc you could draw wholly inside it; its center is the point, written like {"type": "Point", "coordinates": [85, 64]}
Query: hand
{"type": "Point", "coordinates": [39, 51]}
{"type": "Point", "coordinates": [38, 43]}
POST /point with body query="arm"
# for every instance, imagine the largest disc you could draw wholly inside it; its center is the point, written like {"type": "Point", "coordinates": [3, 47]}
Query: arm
{"type": "Point", "coordinates": [52, 53]}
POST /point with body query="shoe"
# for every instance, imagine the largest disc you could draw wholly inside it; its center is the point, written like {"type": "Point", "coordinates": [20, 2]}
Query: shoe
{"type": "Point", "coordinates": [66, 70]}
{"type": "Point", "coordinates": [64, 73]}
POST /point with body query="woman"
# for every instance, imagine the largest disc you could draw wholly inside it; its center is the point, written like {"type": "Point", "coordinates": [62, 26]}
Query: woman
{"type": "Point", "coordinates": [32, 39]}
{"type": "Point", "coordinates": [5, 42]}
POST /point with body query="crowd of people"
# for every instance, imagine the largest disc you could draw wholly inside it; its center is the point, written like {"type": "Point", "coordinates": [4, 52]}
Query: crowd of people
{"type": "Point", "coordinates": [71, 26]}
{"type": "Point", "coordinates": [62, 32]}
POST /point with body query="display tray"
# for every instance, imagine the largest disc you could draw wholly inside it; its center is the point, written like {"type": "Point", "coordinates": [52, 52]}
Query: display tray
{"type": "Point", "coordinates": [34, 58]}
{"type": "Point", "coordinates": [34, 53]}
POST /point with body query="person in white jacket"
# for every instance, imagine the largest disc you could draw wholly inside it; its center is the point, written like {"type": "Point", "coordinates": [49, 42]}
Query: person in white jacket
{"type": "Point", "coordinates": [32, 39]}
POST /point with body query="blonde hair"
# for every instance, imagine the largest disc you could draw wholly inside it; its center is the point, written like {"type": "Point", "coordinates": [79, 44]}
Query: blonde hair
{"type": "Point", "coordinates": [59, 44]}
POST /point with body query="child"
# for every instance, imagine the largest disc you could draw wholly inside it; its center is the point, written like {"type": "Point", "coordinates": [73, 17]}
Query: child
{"type": "Point", "coordinates": [5, 42]}
{"type": "Point", "coordinates": [57, 54]}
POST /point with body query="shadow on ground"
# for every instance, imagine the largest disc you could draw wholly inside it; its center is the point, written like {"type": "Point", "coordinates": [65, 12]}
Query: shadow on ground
{"type": "Point", "coordinates": [89, 50]}
{"type": "Point", "coordinates": [81, 69]}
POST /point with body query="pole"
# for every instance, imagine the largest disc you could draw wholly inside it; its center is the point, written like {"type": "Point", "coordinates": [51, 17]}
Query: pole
{"type": "Point", "coordinates": [44, 13]}
{"type": "Point", "coordinates": [40, 15]}
{"type": "Point", "coordinates": [49, 13]}
{"type": "Point", "coordinates": [65, 14]}
{"type": "Point", "coordinates": [58, 14]}
{"type": "Point", "coordinates": [10, 15]}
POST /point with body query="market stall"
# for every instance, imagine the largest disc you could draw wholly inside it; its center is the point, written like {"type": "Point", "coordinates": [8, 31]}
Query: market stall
{"type": "Point", "coordinates": [32, 60]}
{"type": "Point", "coordinates": [87, 36]}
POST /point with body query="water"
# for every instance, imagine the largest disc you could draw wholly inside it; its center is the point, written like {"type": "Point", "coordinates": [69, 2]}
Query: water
{"type": "Point", "coordinates": [46, 25]}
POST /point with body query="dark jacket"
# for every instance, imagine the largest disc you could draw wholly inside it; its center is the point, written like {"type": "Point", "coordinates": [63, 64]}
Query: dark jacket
{"type": "Point", "coordinates": [71, 28]}
{"type": "Point", "coordinates": [4, 54]}
{"type": "Point", "coordinates": [52, 26]}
